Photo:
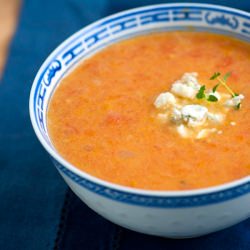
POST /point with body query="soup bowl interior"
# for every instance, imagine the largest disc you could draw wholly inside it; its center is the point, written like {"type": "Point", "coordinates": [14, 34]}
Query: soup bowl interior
{"type": "Point", "coordinates": [174, 214]}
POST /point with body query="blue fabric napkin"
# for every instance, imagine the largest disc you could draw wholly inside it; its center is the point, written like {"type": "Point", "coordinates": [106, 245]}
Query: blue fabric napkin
{"type": "Point", "coordinates": [37, 210]}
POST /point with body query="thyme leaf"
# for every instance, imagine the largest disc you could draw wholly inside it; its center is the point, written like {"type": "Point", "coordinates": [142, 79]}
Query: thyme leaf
{"type": "Point", "coordinates": [201, 92]}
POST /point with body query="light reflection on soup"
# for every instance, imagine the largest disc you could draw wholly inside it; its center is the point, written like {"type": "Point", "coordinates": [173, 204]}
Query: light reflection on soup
{"type": "Point", "coordinates": [100, 117]}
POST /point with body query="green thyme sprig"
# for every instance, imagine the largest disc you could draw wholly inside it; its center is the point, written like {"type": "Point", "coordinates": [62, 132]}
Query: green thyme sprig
{"type": "Point", "coordinates": [238, 106]}
{"type": "Point", "coordinates": [221, 81]}
{"type": "Point", "coordinates": [202, 95]}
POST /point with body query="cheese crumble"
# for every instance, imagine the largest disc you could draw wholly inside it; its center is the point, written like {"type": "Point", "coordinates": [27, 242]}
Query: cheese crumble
{"type": "Point", "coordinates": [193, 118]}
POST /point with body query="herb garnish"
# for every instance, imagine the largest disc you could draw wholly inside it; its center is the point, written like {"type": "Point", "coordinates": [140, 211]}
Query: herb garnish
{"type": "Point", "coordinates": [215, 75]}
{"type": "Point", "coordinates": [201, 92]}
{"type": "Point", "coordinates": [212, 98]}
{"type": "Point", "coordinates": [238, 106]}
{"type": "Point", "coordinates": [215, 88]}
{"type": "Point", "coordinates": [221, 81]}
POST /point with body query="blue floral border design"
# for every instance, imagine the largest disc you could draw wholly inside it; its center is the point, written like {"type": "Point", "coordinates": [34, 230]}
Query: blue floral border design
{"type": "Point", "coordinates": [156, 201]}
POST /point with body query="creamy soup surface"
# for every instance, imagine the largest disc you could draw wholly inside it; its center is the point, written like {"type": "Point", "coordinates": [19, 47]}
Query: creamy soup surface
{"type": "Point", "coordinates": [101, 117]}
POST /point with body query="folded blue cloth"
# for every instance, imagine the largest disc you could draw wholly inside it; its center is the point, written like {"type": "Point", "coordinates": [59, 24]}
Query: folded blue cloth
{"type": "Point", "coordinates": [37, 211]}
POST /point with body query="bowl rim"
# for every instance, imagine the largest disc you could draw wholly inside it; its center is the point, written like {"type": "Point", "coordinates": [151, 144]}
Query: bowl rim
{"type": "Point", "coordinates": [107, 184]}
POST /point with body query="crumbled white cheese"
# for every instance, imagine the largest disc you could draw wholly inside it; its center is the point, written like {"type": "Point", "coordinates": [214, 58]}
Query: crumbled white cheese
{"type": "Point", "coordinates": [190, 79]}
{"type": "Point", "coordinates": [183, 90]}
{"type": "Point", "coordinates": [187, 87]}
{"type": "Point", "coordinates": [205, 132]}
{"type": "Point", "coordinates": [195, 115]}
{"type": "Point", "coordinates": [192, 120]}
{"type": "Point", "coordinates": [164, 99]}
{"type": "Point", "coordinates": [234, 101]}
{"type": "Point", "coordinates": [217, 118]}
{"type": "Point", "coordinates": [183, 131]}
{"type": "Point", "coordinates": [176, 115]}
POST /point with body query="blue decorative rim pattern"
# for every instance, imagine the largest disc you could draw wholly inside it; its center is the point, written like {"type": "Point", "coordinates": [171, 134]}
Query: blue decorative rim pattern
{"type": "Point", "coordinates": [153, 201]}
{"type": "Point", "coordinates": [109, 30]}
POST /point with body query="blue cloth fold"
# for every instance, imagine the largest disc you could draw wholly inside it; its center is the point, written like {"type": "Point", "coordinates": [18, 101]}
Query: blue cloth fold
{"type": "Point", "coordinates": [37, 211]}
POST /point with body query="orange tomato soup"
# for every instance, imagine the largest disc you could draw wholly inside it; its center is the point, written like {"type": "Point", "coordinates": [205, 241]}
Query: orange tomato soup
{"type": "Point", "coordinates": [100, 117]}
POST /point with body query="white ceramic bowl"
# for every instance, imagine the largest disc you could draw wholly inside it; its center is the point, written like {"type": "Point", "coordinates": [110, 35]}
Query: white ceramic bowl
{"type": "Point", "coordinates": [177, 214]}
